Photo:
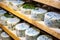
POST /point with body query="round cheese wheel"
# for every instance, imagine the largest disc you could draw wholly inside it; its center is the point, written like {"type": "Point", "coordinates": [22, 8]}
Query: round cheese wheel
{"type": "Point", "coordinates": [44, 37]}
{"type": "Point", "coordinates": [20, 29]}
{"type": "Point", "coordinates": [32, 33]}
{"type": "Point", "coordinates": [38, 14]}
{"type": "Point", "coordinates": [52, 19]}
{"type": "Point", "coordinates": [3, 20]}
{"type": "Point", "coordinates": [11, 22]}
{"type": "Point", "coordinates": [5, 36]}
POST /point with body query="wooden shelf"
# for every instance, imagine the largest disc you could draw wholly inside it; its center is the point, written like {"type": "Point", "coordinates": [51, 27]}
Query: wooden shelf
{"type": "Point", "coordinates": [40, 25]}
{"type": "Point", "coordinates": [9, 32]}
{"type": "Point", "coordinates": [53, 3]}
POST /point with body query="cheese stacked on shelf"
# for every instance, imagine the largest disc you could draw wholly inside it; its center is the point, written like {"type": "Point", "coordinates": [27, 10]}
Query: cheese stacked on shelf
{"type": "Point", "coordinates": [12, 21]}
{"type": "Point", "coordinates": [9, 20]}
{"type": "Point", "coordinates": [44, 37]}
{"type": "Point", "coordinates": [14, 4]}
{"type": "Point", "coordinates": [26, 8]}
{"type": "Point", "coordinates": [52, 19]}
{"type": "Point", "coordinates": [6, 17]}
{"type": "Point", "coordinates": [4, 20]}
{"type": "Point", "coordinates": [5, 36]}
{"type": "Point", "coordinates": [21, 28]}
{"type": "Point", "coordinates": [32, 33]}
{"type": "Point", "coordinates": [38, 14]}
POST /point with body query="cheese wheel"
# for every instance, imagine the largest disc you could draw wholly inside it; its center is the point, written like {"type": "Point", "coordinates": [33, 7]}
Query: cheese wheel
{"type": "Point", "coordinates": [32, 33]}
{"type": "Point", "coordinates": [44, 37]}
{"type": "Point", "coordinates": [52, 19]}
{"type": "Point", "coordinates": [3, 20]}
{"type": "Point", "coordinates": [11, 22]}
{"type": "Point", "coordinates": [25, 11]}
{"type": "Point", "coordinates": [5, 36]}
{"type": "Point", "coordinates": [38, 14]}
{"type": "Point", "coordinates": [20, 29]}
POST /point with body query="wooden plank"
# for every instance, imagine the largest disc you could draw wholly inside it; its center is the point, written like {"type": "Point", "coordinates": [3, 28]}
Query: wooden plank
{"type": "Point", "coordinates": [40, 25]}
{"type": "Point", "coordinates": [53, 3]}
{"type": "Point", "coordinates": [9, 32]}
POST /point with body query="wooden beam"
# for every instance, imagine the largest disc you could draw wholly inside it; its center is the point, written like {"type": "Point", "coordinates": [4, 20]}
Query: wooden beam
{"type": "Point", "coordinates": [52, 3]}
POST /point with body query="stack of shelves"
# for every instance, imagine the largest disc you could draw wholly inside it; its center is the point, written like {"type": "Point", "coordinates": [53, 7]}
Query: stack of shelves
{"type": "Point", "coordinates": [40, 24]}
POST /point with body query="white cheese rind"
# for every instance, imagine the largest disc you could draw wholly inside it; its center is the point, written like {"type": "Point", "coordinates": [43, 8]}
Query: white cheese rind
{"type": "Point", "coordinates": [20, 29]}
{"type": "Point", "coordinates": [12, 21]}
{"type": "Point", "coordinates": [44, 37]}
{"type": "Point", "coordinates": [32, 33]}
{"type": "Point", "coordinates": [52, 19]}
{"type": "Point", "coordinates": [38, 14]}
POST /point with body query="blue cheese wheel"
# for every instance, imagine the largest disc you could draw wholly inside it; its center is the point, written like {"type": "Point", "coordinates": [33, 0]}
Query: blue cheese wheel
{"type": "Point", "coordinates": [25, 11]}
{"type": "Point", "coordinates": [2, 12]}
{"type": "Point", "coordinates": [52, 19]}
{"type": "Point", "coordinates": [5, 36]}
{"type": "Point", "coordinates": [20, 29]}
{"type": "Point", "coordinates": [44, 37]}
{"type": "Point", "coordinates": [38, 14]}
{"type": "Point", "coordinates": [3, 20]}
{"type": "Point", "coordinates": [32, 33]}
{"type": "Point", "coordinates": [12, 21]}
